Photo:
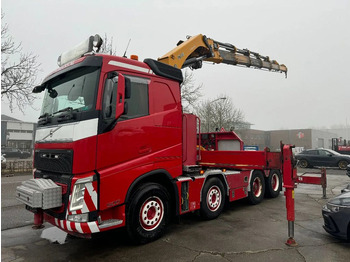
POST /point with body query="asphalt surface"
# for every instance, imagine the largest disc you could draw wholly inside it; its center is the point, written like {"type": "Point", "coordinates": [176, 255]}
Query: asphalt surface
{"type": "Point", "coordinates": [13, 213]}
{"type": "Point", "coordinates": [242, 233]}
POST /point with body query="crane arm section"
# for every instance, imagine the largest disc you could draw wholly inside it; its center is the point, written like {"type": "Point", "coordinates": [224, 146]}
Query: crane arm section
{"type": "Point", "coordinates": [199, 48]}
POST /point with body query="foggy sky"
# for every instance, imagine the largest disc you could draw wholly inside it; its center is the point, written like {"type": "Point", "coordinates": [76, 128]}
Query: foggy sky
{"type": "Point", "coordinates": [310, 37]}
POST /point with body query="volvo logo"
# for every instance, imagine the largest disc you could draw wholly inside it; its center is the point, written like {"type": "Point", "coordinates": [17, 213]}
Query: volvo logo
{"type": "Point", "coordinates": [51, 132]}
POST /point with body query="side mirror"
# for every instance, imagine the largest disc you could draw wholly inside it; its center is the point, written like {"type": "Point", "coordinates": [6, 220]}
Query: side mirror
{"type": "Point", "coordinates": [38, 89]}
{"type": "Point", "coordinates": [120, 96]}
{"type": "Point", "coordinates": [127, 88]}
{"type": "Point", "coordinates": [114, 96]}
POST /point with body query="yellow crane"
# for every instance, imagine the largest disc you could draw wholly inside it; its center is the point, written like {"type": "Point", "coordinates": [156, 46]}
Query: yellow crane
{"type": "Point", "coordinates": [196, 49]}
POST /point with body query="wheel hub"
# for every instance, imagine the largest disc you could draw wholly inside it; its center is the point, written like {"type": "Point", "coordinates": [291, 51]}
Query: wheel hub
{"type": "Point", "coordinates": [214, 198]}
{"type": "Point", "coordinates": [151, 213]}
{"type": "Point", "coordinates": [275, 182]}
{"type": "Point", "coordinates": [257, 187]}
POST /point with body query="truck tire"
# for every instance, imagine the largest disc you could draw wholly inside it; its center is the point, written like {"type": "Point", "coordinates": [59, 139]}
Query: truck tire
{"type": "Point", "coordinates": [273, 184]}
{"type": "Point", "coordinates": [257, 188]}
{"type": "Point", "coordinates": [213, 199]}
{"type": "Point", "coordinates": [148, 213]}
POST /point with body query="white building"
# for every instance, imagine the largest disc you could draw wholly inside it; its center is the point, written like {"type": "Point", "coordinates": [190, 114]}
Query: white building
{"type": "Point", "coordinates": [17, 134]}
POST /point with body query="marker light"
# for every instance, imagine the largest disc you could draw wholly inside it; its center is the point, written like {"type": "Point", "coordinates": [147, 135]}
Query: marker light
{"type": "Point", "coordinates": [134, 57]}
{"type": "Point", "coordinates": [92, 44]}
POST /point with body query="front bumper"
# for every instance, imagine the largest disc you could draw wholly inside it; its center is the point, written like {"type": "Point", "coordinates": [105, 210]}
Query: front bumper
{"type": "Point", "coordinates": [84, 229]}
{"type": "Point", "coordinates": [331, 226]}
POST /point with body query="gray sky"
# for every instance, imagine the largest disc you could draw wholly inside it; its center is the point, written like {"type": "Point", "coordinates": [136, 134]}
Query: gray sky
{"type": "Point", "coordinates": [310, 37]}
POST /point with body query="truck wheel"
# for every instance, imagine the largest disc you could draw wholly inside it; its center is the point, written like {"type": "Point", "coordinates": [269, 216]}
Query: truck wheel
{"type": "Point", "coordinates": [303, 163]}
{"type": "Point", "coordinates": [273, 184]}
{"type": "Point", "coordinates": [342, 164]}
{"type": "Point", "coordinates": [148, 213]}
{"type": "Point", "coordinates": [213, 199]}
{"type": "Point", "coordinates": [257, 188]}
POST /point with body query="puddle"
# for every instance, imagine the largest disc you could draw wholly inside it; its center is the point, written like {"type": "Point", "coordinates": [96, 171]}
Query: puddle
{"type": "Point", "coordinates": [54, 235]}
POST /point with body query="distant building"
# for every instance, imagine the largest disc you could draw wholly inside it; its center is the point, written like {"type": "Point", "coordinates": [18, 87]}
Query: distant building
{"type": "Point", "coordinates": [17, 134]}
{"type": "Point", "coordinates": [304, 138]}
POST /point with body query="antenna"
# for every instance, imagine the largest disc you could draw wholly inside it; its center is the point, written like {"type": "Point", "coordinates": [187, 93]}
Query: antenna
{"type": "Point", "coordinates": [127, 48]}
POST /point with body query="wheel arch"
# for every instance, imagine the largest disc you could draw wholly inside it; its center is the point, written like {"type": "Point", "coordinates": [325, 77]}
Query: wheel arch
{"type": "Point", "coordinates": [220, 175]}
{"type": "Point", "coordinates": [159, 176]}
{"type": "Point", "coordinates": [251, 175]}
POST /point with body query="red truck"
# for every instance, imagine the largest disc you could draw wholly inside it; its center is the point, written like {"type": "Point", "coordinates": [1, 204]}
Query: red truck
{"type": "Point", "coordinates": [113, 147]}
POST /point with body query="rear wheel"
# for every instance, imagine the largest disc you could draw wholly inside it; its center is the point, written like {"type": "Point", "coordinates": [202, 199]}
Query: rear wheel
{"type": "Point", "coordinates": [342, 164]}
{"type": "Point", "coordinates": [257, 188]}
{"type": "Point", "coordinates": [148, 213]}
{"type": "Point", "coordinates": [213, 198]}
{"type": "Point", "coordinates": [303, 163]}
{"type": "Point", "coordinates": [273, 184]}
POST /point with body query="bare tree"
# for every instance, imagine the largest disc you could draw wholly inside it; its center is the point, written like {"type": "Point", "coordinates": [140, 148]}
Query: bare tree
{"type": "Point", "coordinates": [219, 113]}
{"type": "Point", "coordinates": [18, 72]}
{"type": "Point", "coordinates": [190, 93]}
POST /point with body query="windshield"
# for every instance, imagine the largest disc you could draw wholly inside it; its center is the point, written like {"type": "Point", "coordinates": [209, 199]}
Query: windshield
{"type": "Point", "coordinates": [76, 90]}
{"type": "Point", "coordinates": [333, 152]}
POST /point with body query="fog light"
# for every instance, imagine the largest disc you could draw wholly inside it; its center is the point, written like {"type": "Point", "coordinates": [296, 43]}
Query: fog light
{"type": "Point", "coordinates": [79, 218]}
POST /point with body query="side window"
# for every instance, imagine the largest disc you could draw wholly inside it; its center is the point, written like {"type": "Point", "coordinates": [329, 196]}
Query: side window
{"type": "Point", "coordinates": [137, 104]}
{"type": "Point", "coordinates": [323, 153]}
{"type": "Point", "coordinates": [313, 152]}
{"type": "Point", "coordinates": [167, 102]}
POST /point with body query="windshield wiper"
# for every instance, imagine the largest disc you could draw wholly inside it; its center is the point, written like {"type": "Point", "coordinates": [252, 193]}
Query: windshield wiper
{"type": "Point", "coordinates": [67, 114]}
{"type": "Point", "coordinates": [67, 109]}
{"type": "Point", "coordinates": [44, 115]}
{"type": "Point", "coordinates": [44, 119]}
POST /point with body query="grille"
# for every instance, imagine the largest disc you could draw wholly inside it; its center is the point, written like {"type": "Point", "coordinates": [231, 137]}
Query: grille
{"type": "Point", "coordinates": [60, 161]}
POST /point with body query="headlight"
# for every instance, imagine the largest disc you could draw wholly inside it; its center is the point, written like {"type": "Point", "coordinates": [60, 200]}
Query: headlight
{"type": "Point", "coordinates": [78, 193]}
{"type": "Point", "coordinates": [333, 208]}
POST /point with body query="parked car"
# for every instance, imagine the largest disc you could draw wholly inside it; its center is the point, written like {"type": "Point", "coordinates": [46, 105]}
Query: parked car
{"type": "Point", "coordinates": [14, 152]}
{"type": "Point", "coordinates": [3, 162]}
{"type": "Point", "coordinates": [336, 216]}
{"type": "Point", "coordinates": [322, 157]}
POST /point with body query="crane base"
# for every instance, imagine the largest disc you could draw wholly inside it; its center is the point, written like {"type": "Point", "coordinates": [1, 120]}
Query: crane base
{"type": "Point", "coordinates": [291, 242]}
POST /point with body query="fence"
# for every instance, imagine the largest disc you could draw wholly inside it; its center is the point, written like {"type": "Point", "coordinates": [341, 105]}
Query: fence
{"type": "Point", "coordinates": [17, 166]}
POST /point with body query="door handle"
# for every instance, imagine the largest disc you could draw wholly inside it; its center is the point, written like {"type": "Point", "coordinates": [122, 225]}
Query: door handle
{"type": "Point", "coordinates": [144, 150]}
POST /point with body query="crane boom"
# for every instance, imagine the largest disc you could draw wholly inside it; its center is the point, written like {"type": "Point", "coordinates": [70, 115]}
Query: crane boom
{"type": "Point", "coordinates": [199, 48]}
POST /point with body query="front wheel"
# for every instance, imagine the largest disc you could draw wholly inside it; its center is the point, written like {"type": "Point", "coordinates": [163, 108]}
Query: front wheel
{"type": "Point", "coordinates": [148, 213]}
{"type": "Point", "coordinates": [342, 164]}
{"type": "Point", "coordinates": [257, 188]}
{"type": "Point", "coordinates": [213, 198]}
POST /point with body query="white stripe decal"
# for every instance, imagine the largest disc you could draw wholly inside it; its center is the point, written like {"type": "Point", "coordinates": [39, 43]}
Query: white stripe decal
{"type": "Point", "coordinates": [92, 193]}
{"type": "Point", "coordinates": [85, 208]}
{"type": "Point", "coordinates": [93, 227]}
{"type": "Point", "coordinates": [78, 227]}
{"type": "Point", "coordinates": [62, 224]}
{"type": "Point", "coordinates": [68, 226]}
{"type": "Point", "coordinates": [133, 67]}
{"type": "Point", "coordinates": [67, 132]}
{"type": "Point", "coordinates": [56, 222]}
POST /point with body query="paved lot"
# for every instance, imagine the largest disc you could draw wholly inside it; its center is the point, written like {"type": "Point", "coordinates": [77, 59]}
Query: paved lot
{"type": "Point", "coordinates": [242, 233]}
